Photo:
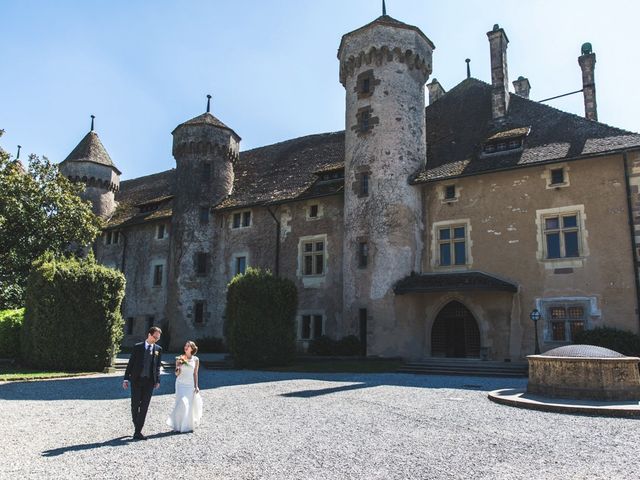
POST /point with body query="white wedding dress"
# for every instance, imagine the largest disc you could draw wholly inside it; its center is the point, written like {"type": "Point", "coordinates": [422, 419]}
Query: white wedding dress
{"type": "Point", "coordinates": [187, 410]}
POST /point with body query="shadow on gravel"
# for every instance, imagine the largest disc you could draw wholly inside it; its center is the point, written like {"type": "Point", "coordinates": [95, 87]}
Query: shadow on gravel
{"type": "Point", "coordinates": [324, 391]}
{"type": "Point", "coordinates": [109, 387]}
{"type": "Point", "coordinates": [116, 442]}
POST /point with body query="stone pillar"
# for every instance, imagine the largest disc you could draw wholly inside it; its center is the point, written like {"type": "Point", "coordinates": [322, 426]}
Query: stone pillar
{"type": "Point", "coordinates": [498, 42]}
{"type": "Point", "coordinates": [587, 63]}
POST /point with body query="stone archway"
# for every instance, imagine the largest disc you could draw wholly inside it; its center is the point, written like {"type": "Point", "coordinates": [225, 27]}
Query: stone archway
{"type": "Point", "coordinates": [455, 333]}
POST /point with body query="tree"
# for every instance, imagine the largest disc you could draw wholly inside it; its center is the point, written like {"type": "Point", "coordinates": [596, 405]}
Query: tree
{"type": "Point", "coordinates": [40, 210]}
{"type": "Point", "coordinates": [260, 313]}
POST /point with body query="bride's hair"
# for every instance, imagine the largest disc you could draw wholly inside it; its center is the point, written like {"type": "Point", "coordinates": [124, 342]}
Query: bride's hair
{"type": "Point", "coordinates": [194, 347]}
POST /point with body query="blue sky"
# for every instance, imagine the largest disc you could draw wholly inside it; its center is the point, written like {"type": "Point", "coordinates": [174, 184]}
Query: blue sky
{"type": "Point", "coordinates": [143, 67]}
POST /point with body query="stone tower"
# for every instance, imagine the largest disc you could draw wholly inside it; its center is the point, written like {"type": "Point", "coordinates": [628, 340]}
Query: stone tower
{"type": "Point", "coordinates": [204, 149]}
{"type": "Point", "coordinates": [90, 164]}
{"type": "Point", "coordinates": [384, 67]}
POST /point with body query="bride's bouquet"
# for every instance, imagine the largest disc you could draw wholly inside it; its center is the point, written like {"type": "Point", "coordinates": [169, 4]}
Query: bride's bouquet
{"type": "Point", "coordinates": [182, 361]}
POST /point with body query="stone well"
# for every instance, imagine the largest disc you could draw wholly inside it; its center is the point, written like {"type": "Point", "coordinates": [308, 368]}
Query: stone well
{"type": "Point", "coordinates": [584, 372]}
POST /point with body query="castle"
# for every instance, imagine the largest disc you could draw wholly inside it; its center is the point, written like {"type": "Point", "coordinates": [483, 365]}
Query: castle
{"type": "Point", "coordinates": [424, 230]}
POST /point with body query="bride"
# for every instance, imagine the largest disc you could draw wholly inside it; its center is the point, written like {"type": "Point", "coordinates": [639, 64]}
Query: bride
{"type": "Point", "coordinates": [187, 409]}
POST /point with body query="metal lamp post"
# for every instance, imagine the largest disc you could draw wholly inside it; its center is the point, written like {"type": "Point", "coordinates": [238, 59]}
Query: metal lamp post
{"type": "Point", "coordinates": [535, 315]}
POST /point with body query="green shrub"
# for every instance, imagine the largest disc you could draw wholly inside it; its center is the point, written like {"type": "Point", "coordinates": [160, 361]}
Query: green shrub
{"type": "Point", "coordinates": [322, 346]}
{"type": "Point", "coordinates": [349, 346]}
{"type": "Point", "coordinates": [621, 341]}
{"type": "Point", "coordinates": [72, 318]}
{"type": "Point", "coordinates": [345, 347]}
{"type": "Point", "coordinates": [260, 314]}
{"type": "Point", "coordinates": [211, 345]}
{"type": "Point", "coordinates": [10, 326]}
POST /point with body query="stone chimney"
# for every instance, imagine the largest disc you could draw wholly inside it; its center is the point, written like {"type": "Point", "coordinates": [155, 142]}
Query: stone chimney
{"type": "Point", "coordinates": [499, 77]}
{"type": "Point", "coordinates": [435, 91]}
{"type": "Point", "coordinates": [522, 87]}
{"type": "Point", "coordinates": [587, 63]}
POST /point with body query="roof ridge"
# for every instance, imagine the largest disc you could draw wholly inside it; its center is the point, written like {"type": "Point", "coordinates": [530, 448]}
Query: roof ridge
{"type": "Point", "coordinates": [337, 132]}
{"type": "Point", "coordinates": [575, 115]}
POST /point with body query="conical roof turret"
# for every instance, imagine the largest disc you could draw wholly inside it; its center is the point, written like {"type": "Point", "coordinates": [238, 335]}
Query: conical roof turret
{"type": "Point", "coordinates": [207, 119]}
{"type": "Point", "coordinates": [90, 149]}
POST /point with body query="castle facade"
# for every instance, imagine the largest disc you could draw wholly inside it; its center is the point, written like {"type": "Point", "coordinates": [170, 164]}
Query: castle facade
{"type": "Point", "coordinates": [424, 230]}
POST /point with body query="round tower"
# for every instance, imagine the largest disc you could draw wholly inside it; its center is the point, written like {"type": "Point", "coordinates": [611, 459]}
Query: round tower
{"type": "Point", "coordinates": [205, 150]}
{"type": "Point", "coordinates": [90, 164]}
{"type": "Point", "coordinates": [384, 67]}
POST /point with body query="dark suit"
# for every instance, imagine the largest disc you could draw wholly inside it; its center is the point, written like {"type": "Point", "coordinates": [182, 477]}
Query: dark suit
{"type": "Point", "coordinates": [142, 380]}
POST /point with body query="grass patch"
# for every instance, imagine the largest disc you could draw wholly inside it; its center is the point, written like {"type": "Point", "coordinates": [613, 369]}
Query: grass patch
{"type": "Point", "coordinates": [10, 373]}
{"type": "Point", "coordinates": [341, 366]}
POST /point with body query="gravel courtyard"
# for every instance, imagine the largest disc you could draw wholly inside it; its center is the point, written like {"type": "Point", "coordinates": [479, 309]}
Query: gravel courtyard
{"type": "Point", "coordinates": [266, 425]}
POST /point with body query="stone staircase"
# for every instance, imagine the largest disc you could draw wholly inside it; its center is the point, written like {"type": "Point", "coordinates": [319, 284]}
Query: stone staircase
{"type": "Point", "coordinates": [466, 366]}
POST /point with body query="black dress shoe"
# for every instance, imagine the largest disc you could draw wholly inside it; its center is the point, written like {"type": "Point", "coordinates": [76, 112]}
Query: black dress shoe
{"type": "Point", "coordinates": [139, 436]}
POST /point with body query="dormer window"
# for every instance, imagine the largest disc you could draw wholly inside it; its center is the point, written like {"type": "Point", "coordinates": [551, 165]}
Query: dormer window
{"type": "Point", "coordinates": [505, 141]}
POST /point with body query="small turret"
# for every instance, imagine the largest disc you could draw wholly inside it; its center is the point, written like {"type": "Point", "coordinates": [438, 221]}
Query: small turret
{"type": "Point", "coordinates": [90, 164]}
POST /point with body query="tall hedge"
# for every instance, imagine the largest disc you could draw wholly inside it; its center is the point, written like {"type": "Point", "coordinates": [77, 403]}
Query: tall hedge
{"type": "Point", "coordinates": [621, 341]}
{"type": "Point", "coordinates": [260, 317]}
{"type": "Point", "coordinates": [10, 325]}
{"type": "Point", "coordinates": [72, 318]}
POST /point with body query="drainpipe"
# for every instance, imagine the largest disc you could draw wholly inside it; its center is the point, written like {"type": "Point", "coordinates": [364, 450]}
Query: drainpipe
{"type": "Point", "coordinates": [277, 266]}
{"type": "Point", "coordinates": [634, 244]}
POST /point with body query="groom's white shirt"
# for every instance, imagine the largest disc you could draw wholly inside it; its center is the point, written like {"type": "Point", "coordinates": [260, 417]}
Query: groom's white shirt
{"type": "Point", "coordinates": [146, 346]}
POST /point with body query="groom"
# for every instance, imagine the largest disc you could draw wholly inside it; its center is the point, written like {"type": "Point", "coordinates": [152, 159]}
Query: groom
{"type": "Point", "coordinates": [143, 370]}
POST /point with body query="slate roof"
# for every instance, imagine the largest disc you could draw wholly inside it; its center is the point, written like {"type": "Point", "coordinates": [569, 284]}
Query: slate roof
{"type": "Point", "coordinates": [391, 22]}
{"type": "Point", "coordinates": [457, 126]}
{"type": "Point", "coordinates": [460, 122]}
{"type": "Point", "coordinates": [140, 191]}
{"type": "Point", "coordinates": [452, 281]}
{"type": "Point", "coordinates": [285, 170]}
{"type": "Point", "coordinates": [90, 149]}
{"type": "Point", "coordinates": [207, 119]}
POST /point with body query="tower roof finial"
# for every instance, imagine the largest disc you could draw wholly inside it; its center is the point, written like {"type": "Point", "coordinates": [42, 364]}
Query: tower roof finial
{"type": "Point", "coordinates": [18, 155]}
{"type": "Point", "coordinates": [468, 60]}
{"type": "Point", "coordinates": [384, 8]}
{"type": "Point", "coordinates": [92, 118]}
{"type": "Point", "coordinates": [208, 103]}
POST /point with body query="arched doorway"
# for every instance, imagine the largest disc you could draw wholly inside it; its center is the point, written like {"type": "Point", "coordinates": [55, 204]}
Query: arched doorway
{"type": "Point", "coordinates": [455, 333]}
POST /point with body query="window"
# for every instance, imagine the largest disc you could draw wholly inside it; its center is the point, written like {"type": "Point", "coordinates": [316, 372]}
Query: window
{"type": "Point", "coordinates": [450, 192]}
{"type": "Point", "coordinates": [364, 184]}
{"type": "Point", "coordinates": [565, 321]}
{"type": "Point", "coordinates": [311, 327]}
{"type": "Point", "coordinates": [313, 257]}
{"type": "Point", "coordinates": [366, 85]}
{"type": "Point", "coordinates": [201, 261]}
{"type": "Point", "coordinates": [241, 219]}
{"type": "Point", "coordinates": [452, 244]}
{"type": "Point", "coordinates": [198, 312]}
{"type": "Point", "coordinates": [562, 236]}
{"type": "Point", "coordinates": [160, 231]}
{"type": "Point", "coordinates": [112, 237]}
{"type": "Point", "coordinates": [157, 275]}
{"type": "Point", "coordinates": [313, 211]}
{"type": "Point", "coordinates": [557, 176]}
{"type": "Point", "coordinates": [364, 120]}
{"type": "Point", "coordinates": [501, 146]}
{"type": "Point", "coordinates": [240, 265]}
{"type": "Point", "coordinates": [204, 215]}
{"type": "Point", "coordinates": [363, 254]}
{"type": "Point", "coordinates": [206, 172]}
{"type": "Point", "coordinates": [128, 327]}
